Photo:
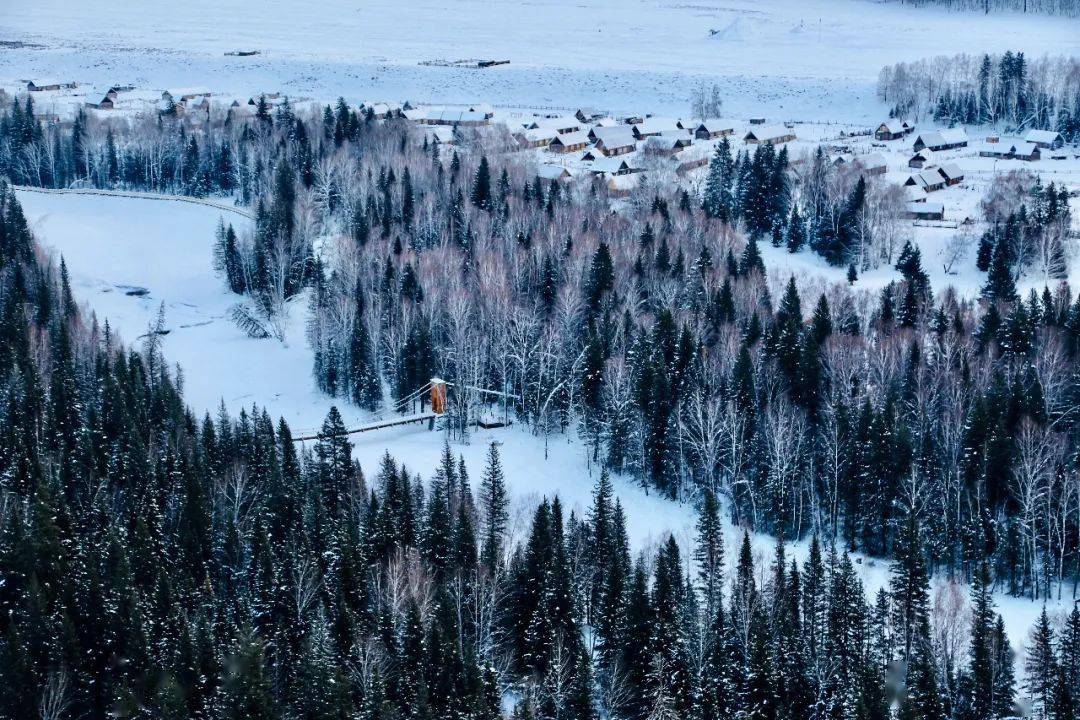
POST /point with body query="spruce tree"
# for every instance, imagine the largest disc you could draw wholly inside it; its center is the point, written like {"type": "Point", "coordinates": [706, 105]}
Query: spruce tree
{"type": "Point", "coordinates": [493, 501]}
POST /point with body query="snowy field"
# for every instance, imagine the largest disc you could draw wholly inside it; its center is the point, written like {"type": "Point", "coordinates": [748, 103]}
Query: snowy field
{"type": "Point", "coordinates": [113, 245]}
{"type": "Point", "coordinates": [796, 59]}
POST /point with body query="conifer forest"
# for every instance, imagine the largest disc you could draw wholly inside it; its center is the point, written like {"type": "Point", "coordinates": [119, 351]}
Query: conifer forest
{"type": "Point", "coordinates": [155, 563]}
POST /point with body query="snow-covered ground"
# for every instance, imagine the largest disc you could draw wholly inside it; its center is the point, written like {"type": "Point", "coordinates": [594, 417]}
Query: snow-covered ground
{"type": "Point", "coordinates": [113, 245]}
{"type": "Point", "coordinates": [796, 59]}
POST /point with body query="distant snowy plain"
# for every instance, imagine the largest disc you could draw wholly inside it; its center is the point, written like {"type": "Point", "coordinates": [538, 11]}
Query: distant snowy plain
{"type": "Point", "coordinates": [792, 59]}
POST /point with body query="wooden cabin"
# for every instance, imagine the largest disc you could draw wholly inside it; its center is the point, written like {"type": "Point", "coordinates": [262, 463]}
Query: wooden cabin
{"type": "Point", "coordinates": [651, 127]}
{"type": "Point", "coordinates": [586, 114]}
{"type": "Point", "coordinates": [924, 211]}
{"type": "Point", "coordinates": [921, 159]}
{"type": "Point", "coordinates": [1011, 150]}
{"type": "Point", "coordinates": [553, 172]}
{"type": "Point", "coordinates": [1045, 139]}
{"type": "Point", "coordinates": [775, 135]}
{"type": "Point", "coordinates": [568, 142]}
{"type": "Point", "coordinates": [561, 125]}
{"type": "Point", "coordinates": [938, 140]}
{"type": "Point", "coordinates": [712, 129]}
{"type": "Point", "coordinates": [535, 137]}
{"type": "Point", "coordinates": [45, 84]}
{"type": "Point", "coordinates": [616, 140]}
{"type": "Point", "coordinates": [952, 173]}
{"type": "Point", "coordinates": [893, 130]}
{"type": "Point", "coordinates": [611, 166]}
{"type": "Point", "coordinates": [926, 180]}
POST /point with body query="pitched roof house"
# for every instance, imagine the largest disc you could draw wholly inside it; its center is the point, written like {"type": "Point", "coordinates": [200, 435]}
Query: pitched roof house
{"type": "Point", "coordinates": [952, 173]}
{"type": "Point", "coordinates": [773, 135]}
{"type": "Point", "coordinates": [1045, 139]}
{"type": "Point", "coordinates": [893, 129]}
{"type": "Point", "coordinates": [568, 142]}
{"type": "Point", "coordinates": [926, 180]}
{"type": "Point", "coordinates": [614, 140]}
{"type": "Point", "coordinates": [942, 139]}
{"type": "Point", "coordinates": [711, 129]}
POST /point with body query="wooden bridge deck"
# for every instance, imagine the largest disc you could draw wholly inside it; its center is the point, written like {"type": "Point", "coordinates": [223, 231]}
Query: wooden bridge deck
{"type": "Point", "coordinates": [377, 425]}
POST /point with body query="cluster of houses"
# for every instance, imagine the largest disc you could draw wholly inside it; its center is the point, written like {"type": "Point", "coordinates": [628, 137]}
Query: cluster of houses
{"type": "Point", "coordinates": [610, 136]}
{"type": "Point", "coordinates": [1030, 148]}
{"type": "Point", "coordinates": [929, 176]}
{"type": "Point", "coordinates": [615, 147]}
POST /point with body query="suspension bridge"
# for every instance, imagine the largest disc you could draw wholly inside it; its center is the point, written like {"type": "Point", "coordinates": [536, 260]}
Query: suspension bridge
{"type": "Point", "coordinates": [434, 391]}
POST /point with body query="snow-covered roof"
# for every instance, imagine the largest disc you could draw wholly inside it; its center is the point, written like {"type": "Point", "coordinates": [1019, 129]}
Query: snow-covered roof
{"type": "Point", "coordinates": [464, 115]}
{"type": "Point", "coordinates": [1025, 149]}
{"type": "Point", "coordinates": [609, 165]}
{"type": "Point", "coordinates": [954, 135]}
{"type": "Point", "coordinates": [614, 136]}
{"type": "Point", "coordinates": [566, 122]}
{"type": "Point", "coordinates": [654, 125]}
{"type": "Point", "coordinates": [941, 138]}
{"type": "Point", "coordinates": [769, 132]}
{"type": "Point", "coordinates": [552, 172]}
{"type": "Point", "coordinates": [713, 125]}
{"type": "Point", "coordinates": [1007, 147]}
{"type": "Point", "coordinates": [50, 81]}
{"type": "Point", "coordinates": [448, 116]}
{"type": "Point", "coordinates": [925, 179]}
{"type": "Point", "coordinates": [440, 134]}
{"type": "Point", "coordinates": [539, 134]}
{"type": "Point", "coordinates": [951, 171]}
{"type": "Point", "coordinates": [926, 208]}
{"type": "Point", "coordinates": [893, 126]}
{"type": "Point", "coordinates": [572, 138]}
{"type": "Point", "coordinates": [1042, 136]}
{"type": "Point", "coordinates": [666, 141]}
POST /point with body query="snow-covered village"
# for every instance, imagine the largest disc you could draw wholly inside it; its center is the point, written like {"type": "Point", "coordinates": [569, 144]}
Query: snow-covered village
{"type": "Point", "coordinates": [599, 361]}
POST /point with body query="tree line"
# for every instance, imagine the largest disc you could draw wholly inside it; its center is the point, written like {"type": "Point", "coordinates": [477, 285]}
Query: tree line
{"type": "Point", "coordinates": [1008, 90]}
